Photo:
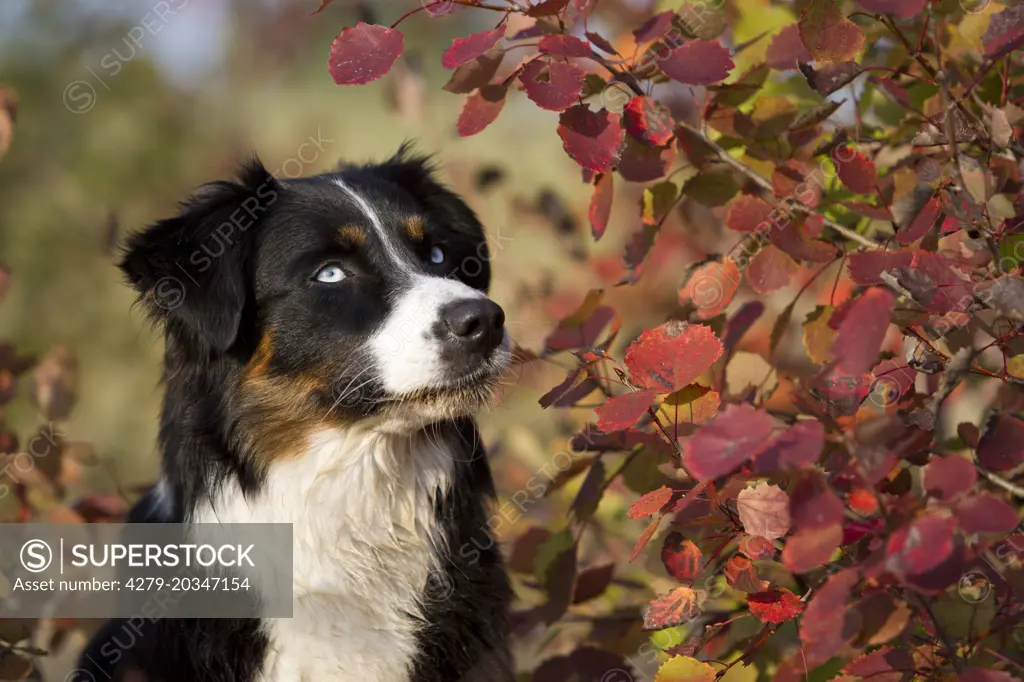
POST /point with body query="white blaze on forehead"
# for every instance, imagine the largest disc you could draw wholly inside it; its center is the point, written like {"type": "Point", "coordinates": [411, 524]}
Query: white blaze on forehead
{"type": "Point", "coordinates": [374, 218]}
{"type": "Point", "coordinates": [406, 349]}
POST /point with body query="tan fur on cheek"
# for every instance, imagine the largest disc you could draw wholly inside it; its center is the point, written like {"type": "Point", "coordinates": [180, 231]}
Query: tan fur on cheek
{"type": "Point", "coordinates": [276, 413]}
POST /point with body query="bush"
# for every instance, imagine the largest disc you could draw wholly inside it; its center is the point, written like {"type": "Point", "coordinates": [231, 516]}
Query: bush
{"type": "Point", "coordinates": [833, 518]}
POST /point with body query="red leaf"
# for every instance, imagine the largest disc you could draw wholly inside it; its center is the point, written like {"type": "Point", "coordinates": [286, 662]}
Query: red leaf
{"type": "Point", "coordinates": [525, 549]}
{"type": "Point", "coordinates": [601, 204]}
{"type": "Point", "coordinates": [601, 42]}
{"type": "Point", "coordinates": [364, 53]}
{"type": "Point", "coordinates": [984, 513]}
{"type": "Point", "coordinates": [813, 504]}
{"type": "Point", "coordinates": [466, 49]}
{"type": "Point", "coordinates": [786, 49]}
{"type": "Point", "coordinates": [641, 162]}
{"type": "Point", "coordinates": [672, 355]}
{"type": "Point", "coordinates": [921, 223]}
{"type": "Point", "coordinates": [866, 266]}
{"type": "Point", "coordinates": [552, 85]}
{"type": "Point", "coordinates": [646, 536]}
{"type": "Point", "coordinates": [947, 477]}
{"type": "Point", "coordinates": [571, 334]}
{"type": "Point", "coordinates": [764, 511]}
{"type": "Point", "coordinates": [1002, 446]}
{"type": "Point", "coordinates": [681, 557]}
{"type": "Point", "coordinates": [1005, 32]}
{"type": "Point", "coordinates": [728, 441]}
{"type": "Point", "coordinates": [811, 548]}
{"type": "Point", "coordinates": [830, 77]}
{"type": "Point", "coordinates": [756, 548]}
{"type": "Point", "coordinates": [475, 74]}
{"type": "Point", "coordinates": [770, 270]}
{"type": "Point", "coordinates": [711, 288]}
{"type": "Point", "coordinates": [921, 546]}
{"type": "Point", "coordinates": [649, 120]}
{"type": "Point", "coordinates": [776, 605]}
{"type": "Point", "coordinates": [936, 282]}
{"type": "Point", "coordinates": [637, 248]}
{"type": "Point", "coordinates": [790, 238]}
{"type": "Point", "coordinates": [698, 62]}
{"type": "Point", "coordinates": [548, 8]}
{"type": "Point", "coordinates": [592, 139]}
{"type": "Point", "coordinates": [828, 602]}
{"type": "Point", "coordinates": [741, 322]}
{"type": "Point", "coordinates": [907, 9]}
{"type": "Point", "coordinates": [863, 330]}
{"type": "Point", "coordinates": [741, 574]}
{"type": "Point", "coordinates": [653, 28]}
{"type": "Point", "coordinates": [856, 530]}
{"type": "Point", "coordinates": [855, 170]}
{"type": "Point", "coordinates": [827, 625]}
{"type": "Point", "coordinates": [794, 448]}
{"type": "Point", "coordinates": [862, 501]}
{"type": "Point", "coordinates": [828, 34]}
{"type": "Point", "coordinates": [565, 45]}
{"type": "Point", "coordinates": [623, 411]}
{"type": "Point", "coordinates": [672, 608]}
{"type": "Point", "coordinates": [747, 214]}
{"type": "Point", "coordinates": [480, 109]}
{"type": "Point", "coordinates": [651, 503]}
{"type": "Point", "coordinates": [592, 582]}
{"type": "Point", "coordinates": [883, 665]}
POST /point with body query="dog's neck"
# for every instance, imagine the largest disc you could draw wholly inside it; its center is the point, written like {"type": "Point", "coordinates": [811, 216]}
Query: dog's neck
{"type": "Point", "coordinates": [359, 500]}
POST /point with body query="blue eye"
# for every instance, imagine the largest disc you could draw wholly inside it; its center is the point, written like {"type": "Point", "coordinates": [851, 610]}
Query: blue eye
{"type": "Point", "coordinates": [436, 255]}
{"type": "Point", "coordinates": [330, 274]}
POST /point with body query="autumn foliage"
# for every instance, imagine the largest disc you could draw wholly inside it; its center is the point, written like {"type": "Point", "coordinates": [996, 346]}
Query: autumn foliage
{"type": "Point", "coordinates": [833, 520]}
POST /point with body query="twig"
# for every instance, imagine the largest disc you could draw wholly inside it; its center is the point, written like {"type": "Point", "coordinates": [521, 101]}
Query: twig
{"type": "Point", "coordinates": [1013, 489]}
{"type": "Point", "coordinates": [947, 641]}
{"type": "Point", "coordinates": [766, 185]}
{"type": "Point", "coordinates": [664, 432]}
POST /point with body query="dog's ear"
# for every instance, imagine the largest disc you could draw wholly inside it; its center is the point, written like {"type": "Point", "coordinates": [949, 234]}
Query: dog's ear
{"type": "Point", "coordinates": [416, 174]}
{"type": "Point", "coordinates": [190, 270]}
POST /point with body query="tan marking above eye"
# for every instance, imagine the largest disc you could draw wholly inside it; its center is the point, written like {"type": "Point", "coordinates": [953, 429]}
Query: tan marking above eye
{"type": "Point", "coordinates": [351, 236]}
{"type": "Point", "coordinates": [414, 227]}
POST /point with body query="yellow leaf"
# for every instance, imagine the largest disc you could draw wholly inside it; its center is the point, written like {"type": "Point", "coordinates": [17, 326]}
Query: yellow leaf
{"type": "Point", "coordinates": [974, 23]}
{"type": "Point", "coordinates": [757, 18]}
{"type": "Point", "coordinates": [684, 669]}
{"type": "Point", "coordinates": [657, 201]}
{"type": "Point", "coordinates": [773, 115]}
{"type": "Point", "coordinates": [818, 336]}
{"type": "Point", "coordinates": [1015, 366]}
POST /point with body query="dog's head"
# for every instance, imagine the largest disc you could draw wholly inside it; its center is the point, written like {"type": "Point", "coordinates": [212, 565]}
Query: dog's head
{"type": "Point", "coordinates": [358, 295]}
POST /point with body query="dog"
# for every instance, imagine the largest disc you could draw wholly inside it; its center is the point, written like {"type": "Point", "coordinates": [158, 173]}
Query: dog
{"type": "Point", "coordinates": [328, 340]}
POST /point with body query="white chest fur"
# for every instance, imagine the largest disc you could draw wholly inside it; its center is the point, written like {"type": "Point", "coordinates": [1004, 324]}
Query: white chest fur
{"type": "Point", "coordinates": [365, 538]}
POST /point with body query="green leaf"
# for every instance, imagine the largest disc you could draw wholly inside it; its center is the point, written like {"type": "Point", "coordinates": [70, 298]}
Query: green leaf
{"type": "Point", "coordinates": [1009, 253]}
{"type": "Point", "coordinates": [657, 201]}
{"type": "Point", "coordinates": [711, 188]}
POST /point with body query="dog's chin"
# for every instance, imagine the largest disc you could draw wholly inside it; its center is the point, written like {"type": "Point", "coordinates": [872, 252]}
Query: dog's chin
{"type": "Point", "coordinates": [460, 396]}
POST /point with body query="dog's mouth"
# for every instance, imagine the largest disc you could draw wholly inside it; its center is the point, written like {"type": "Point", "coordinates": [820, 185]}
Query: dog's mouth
{"type": "Point", "coordinates": [459, 395]}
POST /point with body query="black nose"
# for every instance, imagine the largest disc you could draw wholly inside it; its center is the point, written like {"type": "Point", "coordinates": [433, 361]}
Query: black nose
{"type": "Point", "coordinates": [475, 323]}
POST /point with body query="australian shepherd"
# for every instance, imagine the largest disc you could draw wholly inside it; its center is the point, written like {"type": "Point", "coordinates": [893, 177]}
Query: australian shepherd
{"type": "Point", "coordinates": [328, 340]}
